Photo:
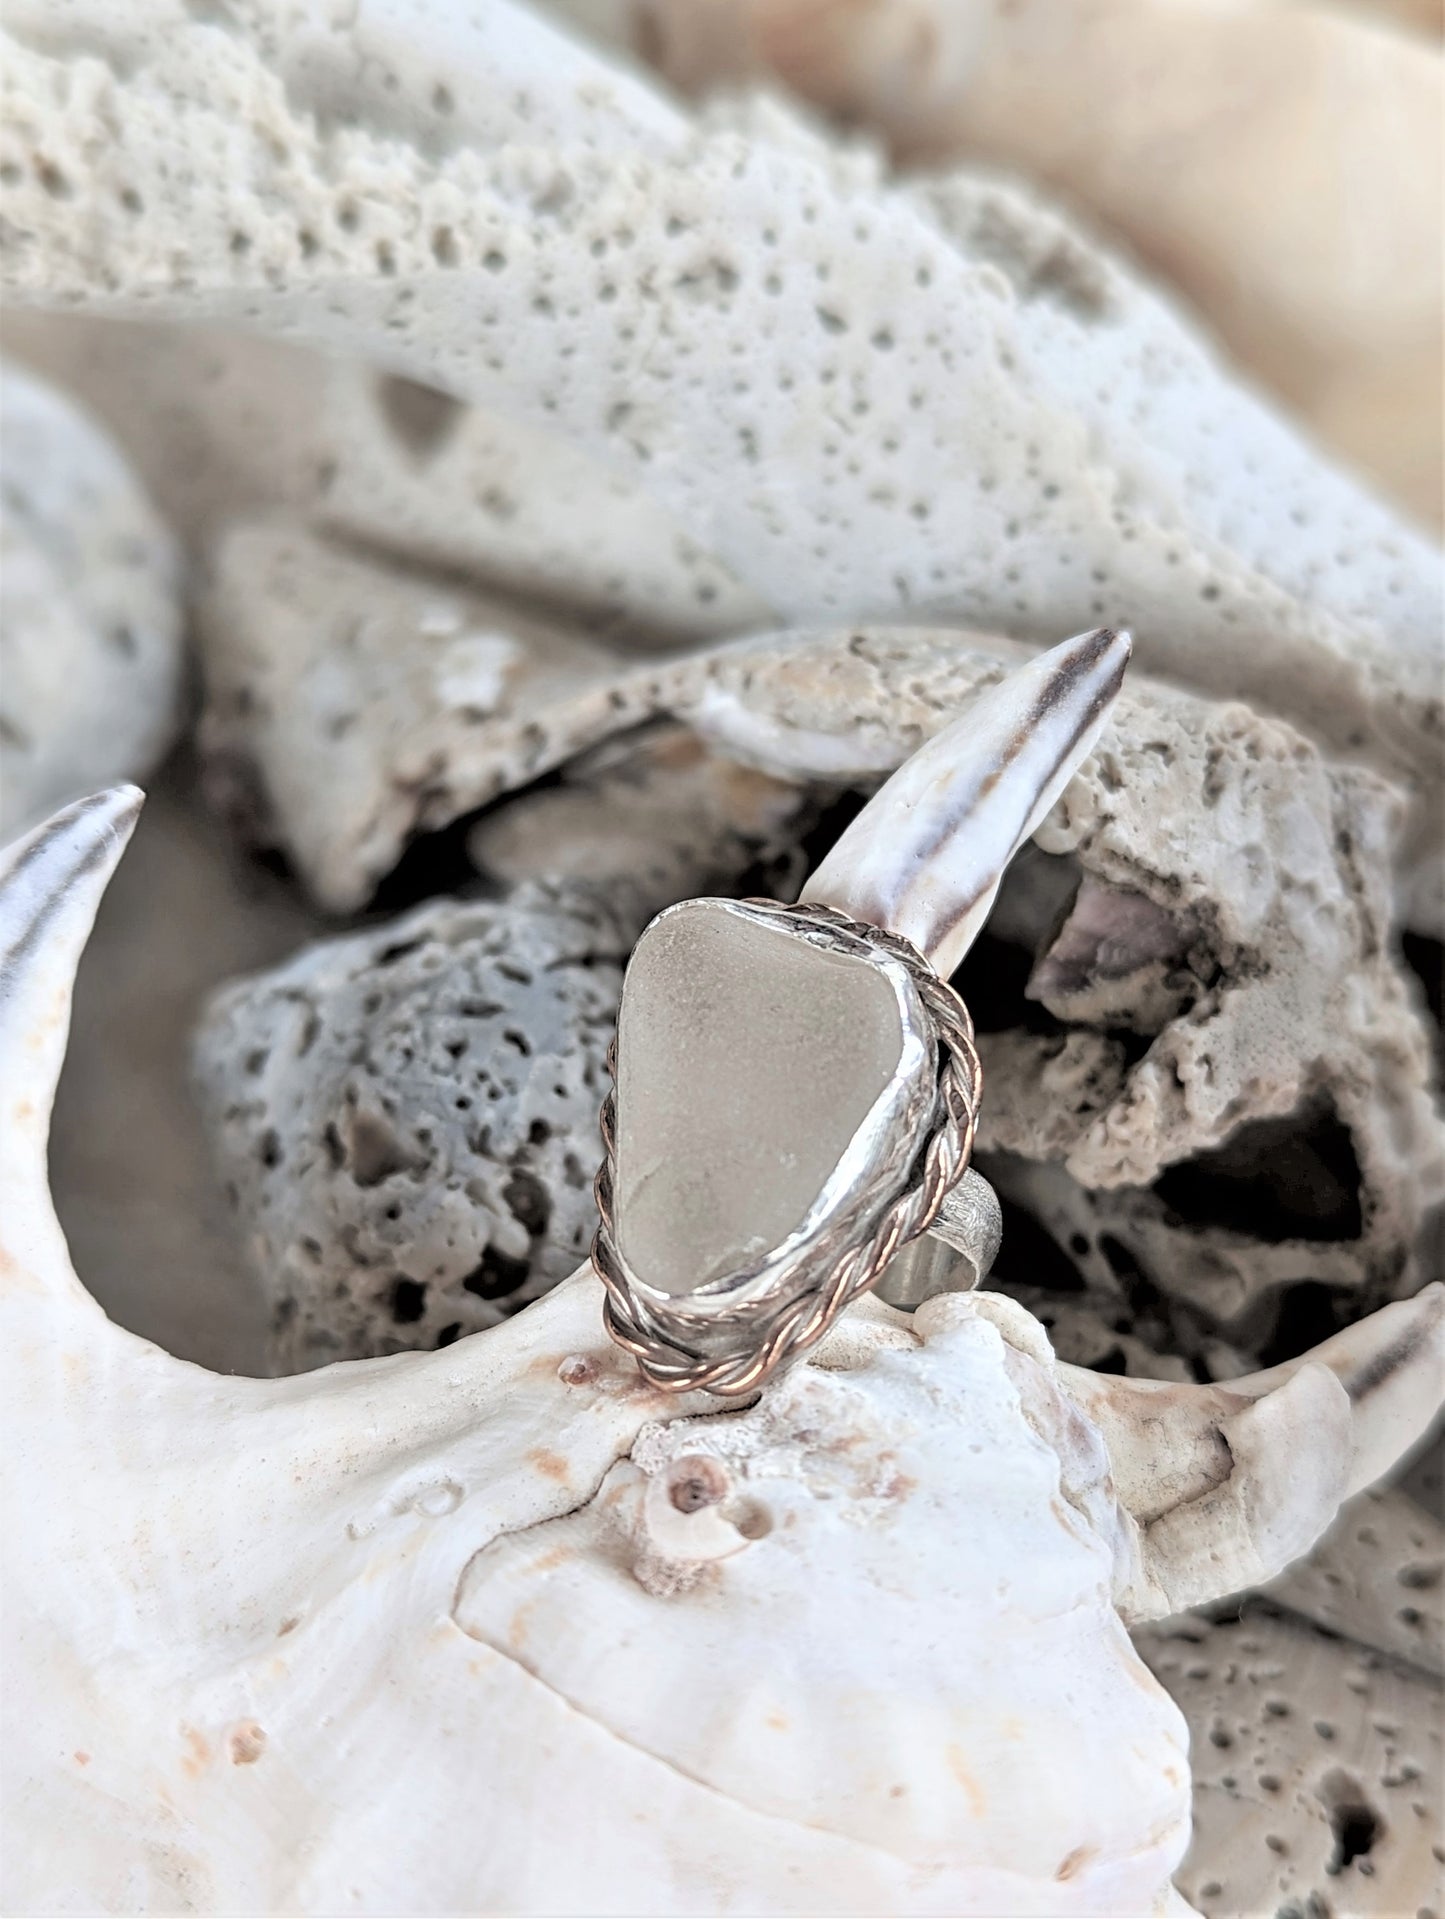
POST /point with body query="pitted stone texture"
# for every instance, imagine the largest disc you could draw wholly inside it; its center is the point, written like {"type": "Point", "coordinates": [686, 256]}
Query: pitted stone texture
{"type": "Point", "coordinates": [858, 400]}
{"type": "Point", "coordinates": [413, 471]}
{"type": "Point", "coordinates": [90, 622]}
{"type": "Point", "coordinates": [405, 1120]}
{"type": "Point", "coordinates": [1327, 285]}
{"type": "Point", "coordinates": [1377, 1577]}
{"type": "Point", "coordinates": [1317, 1770]}
{"type": "Point", "coordinates": [1212, 889]}
{"type": "Point", "coordinates": [350, 705]}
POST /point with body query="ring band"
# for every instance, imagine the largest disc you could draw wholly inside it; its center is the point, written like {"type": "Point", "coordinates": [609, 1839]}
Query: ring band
{"type": "Point", "coordinates": [728, 1345]}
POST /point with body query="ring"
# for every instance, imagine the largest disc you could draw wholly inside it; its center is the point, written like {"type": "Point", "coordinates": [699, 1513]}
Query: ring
{"type": "Point", "coordinates": [796, 1088]}
{"type": "Point", "coordinates": [728, 1335]}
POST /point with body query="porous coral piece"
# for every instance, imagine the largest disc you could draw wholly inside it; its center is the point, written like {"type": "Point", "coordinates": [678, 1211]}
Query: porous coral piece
{"type": "Point", "coordinates": [90, 632]}
{"type": "Point", "coordinates": [1162, 120]}
{"type": "Point", "coordinates": [1267, 861]}
{"type": "Point", "coordinates": [1317, 1770]}
{"type": "Point", "coordinates": [405, 1120]}
{"type": "Point", "coordinates": [351, 706]}
{"type": "Point", "coordinates": [1223, 889]}
{"type": "Point", "coordinates": [913, 414]}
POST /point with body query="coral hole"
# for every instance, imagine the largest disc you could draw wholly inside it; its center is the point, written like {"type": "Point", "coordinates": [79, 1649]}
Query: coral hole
{"type": "Point", "coordinates": [1353, 1820]}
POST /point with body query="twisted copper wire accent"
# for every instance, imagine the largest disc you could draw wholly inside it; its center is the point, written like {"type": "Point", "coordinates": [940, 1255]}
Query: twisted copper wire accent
{"type": "Point", "coordinates": [664, 1339]}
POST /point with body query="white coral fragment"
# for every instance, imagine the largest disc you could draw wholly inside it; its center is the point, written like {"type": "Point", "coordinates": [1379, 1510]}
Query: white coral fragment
{"type": "Point", "coordinates": [920, 410]}
{"type": "Point", "coordinates": [1161, 121]}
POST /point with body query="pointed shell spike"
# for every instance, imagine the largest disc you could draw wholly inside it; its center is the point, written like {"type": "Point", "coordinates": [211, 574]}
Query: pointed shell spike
{"type": "Point", "coordinates": [925, 857]}
{"type": "Point", "coordinates": [51, 881]}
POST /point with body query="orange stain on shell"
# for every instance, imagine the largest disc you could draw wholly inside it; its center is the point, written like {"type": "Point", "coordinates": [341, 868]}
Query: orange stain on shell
{"type": "Point", "coordinates": [958, 1766]}
{"type": "Point", "coordinates": [551, 1465]}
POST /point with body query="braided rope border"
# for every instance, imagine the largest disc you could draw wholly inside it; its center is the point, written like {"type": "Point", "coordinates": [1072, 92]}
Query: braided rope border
{"type": "Point", "coordinates": [664, 1339]}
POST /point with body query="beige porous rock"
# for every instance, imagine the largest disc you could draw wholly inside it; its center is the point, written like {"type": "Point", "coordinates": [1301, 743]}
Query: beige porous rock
{"type": "Point", "coordinates": [1211, 891]}
{"type": "Point", "coordinates": [350, 706]}
{"type": "Point", "coordinates": [1162, 121]}
{"type": "Point", "coordinates": [1317, 1770]}
{"type": "Point", "coordinates": [404, 1121]}
{"type": "Point", "coordinates": [859, 400]}
{"type": "Point", "coordinates": [653, 817]}
{"type": "Point", "coordinates": [90, 632]}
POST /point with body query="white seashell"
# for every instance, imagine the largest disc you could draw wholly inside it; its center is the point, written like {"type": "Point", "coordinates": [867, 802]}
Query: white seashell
{"type": "Point", "coordinates": [370, 1639]}
{"type": "Point", "coordinates": [926, 856]}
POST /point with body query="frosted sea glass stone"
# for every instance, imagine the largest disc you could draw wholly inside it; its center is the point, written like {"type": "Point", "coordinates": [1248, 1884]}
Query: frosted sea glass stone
{"type": "Point", "coordinates": [760, 1078]}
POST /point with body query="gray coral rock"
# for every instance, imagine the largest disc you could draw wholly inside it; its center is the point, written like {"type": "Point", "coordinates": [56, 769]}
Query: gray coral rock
{"type": "Point", "coordinates": [1204, 928]}
{"type": "Point", "coordinates": [405, 1120]}
{"type": "Point", "coordinates": [1377, 1577]}
{"type": "Point", "coordinates": [90, 623]}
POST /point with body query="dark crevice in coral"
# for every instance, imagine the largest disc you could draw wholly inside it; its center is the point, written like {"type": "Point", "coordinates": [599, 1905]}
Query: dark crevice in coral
{"type": "Point", "coordinates": [1275, 1180]}
{"type": "Point", "coordinates": [1353, 1820]}
{"type": "Point", "coordinates": [497, 1275]}
{"type": "Point", "coordinates": [419, 418]}
{"type": "Point", "coordinates": [430, 864]}
{"type": "Point", "coordinates": [1030, 1256]}
{"type": "Point", "coordinates": [408, 1300]}
{"type": "Point", "coordinates": [992, 980]}
{"type": "Point", "coordinates": [1305, 1314]}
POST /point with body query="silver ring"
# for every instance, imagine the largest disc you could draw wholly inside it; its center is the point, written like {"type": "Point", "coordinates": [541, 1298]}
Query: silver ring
{"type": "Point", "coordinates": [729, 1335]}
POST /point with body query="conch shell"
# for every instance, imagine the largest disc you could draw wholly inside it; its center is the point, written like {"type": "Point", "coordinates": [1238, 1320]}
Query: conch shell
{"type": "Point", "coordinates": [497, 1628]}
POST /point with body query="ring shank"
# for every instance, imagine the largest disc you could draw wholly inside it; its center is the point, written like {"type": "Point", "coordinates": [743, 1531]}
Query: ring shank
{"type": "Point", "coordinates": [955, 1254]}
